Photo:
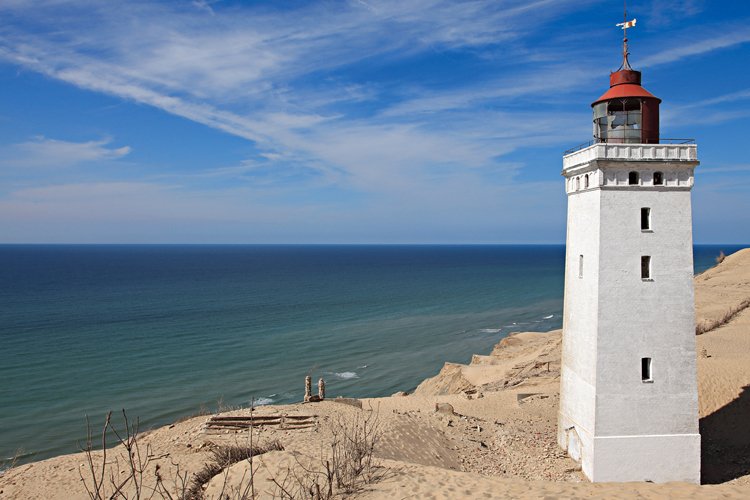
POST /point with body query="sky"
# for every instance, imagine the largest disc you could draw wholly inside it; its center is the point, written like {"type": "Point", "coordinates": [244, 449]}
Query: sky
{"type": "Point", "coordinates": [360, 121]}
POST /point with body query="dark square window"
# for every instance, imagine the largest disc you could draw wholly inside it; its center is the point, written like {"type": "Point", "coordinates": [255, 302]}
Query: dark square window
{"type": "Point", "coordinates": [646, 375]}
{"type": "Point", "coordinates": [646, 267]}
{"type": "Point", "coordinates": [580, 266]}
{"type": "Point", "coordinates": [645, 219]}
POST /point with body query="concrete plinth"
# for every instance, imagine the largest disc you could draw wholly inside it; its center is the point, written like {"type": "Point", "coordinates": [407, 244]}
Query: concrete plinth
{"type": "Point", "coordinates": [659, 459]}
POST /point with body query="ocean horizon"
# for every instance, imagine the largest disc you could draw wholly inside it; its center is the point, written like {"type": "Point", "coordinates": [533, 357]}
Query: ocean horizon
{"type": "Point", "coordinates": [165, 330]}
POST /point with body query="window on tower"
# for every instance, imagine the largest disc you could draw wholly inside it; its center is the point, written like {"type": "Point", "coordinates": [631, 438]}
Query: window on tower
{"type": "Point", "coordinates": [646, 375]}
{"type": "Point", "coordinates": [645, 219]}
{"type": "Point", "coordinates": [586, 181]}
{"type": "Point", "coordinates": [580, 266]}
{"type": "Point", "coordinates": [578, 183]}
{"type": "Point", "coordinates": [658, 179]}
{"type": "Point", "coordinates": [646, 267]}
{"type": "Point", "coordinates": [633, 178]}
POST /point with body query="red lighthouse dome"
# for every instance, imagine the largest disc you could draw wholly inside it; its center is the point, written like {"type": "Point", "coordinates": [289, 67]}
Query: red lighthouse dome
{"type": "Point", "coordinates": [626, 113]}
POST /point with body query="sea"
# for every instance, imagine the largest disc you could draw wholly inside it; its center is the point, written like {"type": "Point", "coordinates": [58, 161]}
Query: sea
{"type": "Point", "coordinates": [168, 331]}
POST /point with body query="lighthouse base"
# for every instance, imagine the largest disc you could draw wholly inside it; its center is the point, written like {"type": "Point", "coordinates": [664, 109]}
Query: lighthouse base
{"type": "Point", "coordinates": [655, 458]}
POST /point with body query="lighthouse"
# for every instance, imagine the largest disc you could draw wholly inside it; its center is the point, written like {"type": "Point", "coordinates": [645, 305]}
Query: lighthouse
{"type": "Point", "coordinates": [628, 393]}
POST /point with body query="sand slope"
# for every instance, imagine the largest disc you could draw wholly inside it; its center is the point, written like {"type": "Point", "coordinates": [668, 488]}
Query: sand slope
{"type": "Point", "coordinates": [724, 371]}
{"type": "Point", "coordinates": [518, 358]}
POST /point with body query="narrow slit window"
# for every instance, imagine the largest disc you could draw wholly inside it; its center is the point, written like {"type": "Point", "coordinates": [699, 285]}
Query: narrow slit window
{"type": "Point", "coordinates": [586, 181]}
{"type": "Point", "coordinates": [580, 266]}
{"type": "Point", "coordinates": [646, 375]}
{"type": "Point", "coordinates": [633, 178]}
{"type": "Point", "coordinates": [645, 219]}
{"type": "Point", "coordinates": [578, 183]}
{"type": "Point", "coordinates": [646, 267]}
{"type": "Point", "coordinates": [658, 179]}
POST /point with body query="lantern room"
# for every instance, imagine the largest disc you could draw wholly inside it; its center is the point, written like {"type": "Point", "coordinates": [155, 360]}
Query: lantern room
{"type": "Point", "coordinates": [627, 113]}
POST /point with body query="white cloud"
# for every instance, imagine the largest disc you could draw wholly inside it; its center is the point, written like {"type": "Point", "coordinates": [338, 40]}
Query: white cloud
{"type": "Point", "coordinates": [666, 12]}
{"type": "Point", "coordinates": [703, 170]}
{"type": "Point", "coordinates": [722, 99]}
{"type": "Point", "coordinates": [692, 48]}
{"type": "Point", "coordinates": [236, 71]}
{"type": "Point", "coordinates": [545, 82]}
{"type": "Point", "coordinates": [245, 51]}
{"type": "Point", "coordinates": [43, 152]}
{"type": "Point", "coordinates": [205, 6]}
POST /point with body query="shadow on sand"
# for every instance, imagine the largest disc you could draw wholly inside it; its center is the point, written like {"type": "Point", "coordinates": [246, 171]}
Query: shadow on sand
{"type": "Point", "coordinates": [725, 441]}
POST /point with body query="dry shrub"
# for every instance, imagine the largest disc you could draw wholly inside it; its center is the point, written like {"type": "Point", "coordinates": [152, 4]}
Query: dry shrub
{"type": "Point", "coordinates": [342, 470]}
{"type": "Point", "coordinates": [345, 469]}
{"type": "Point", "coordinates": [354, 443]}
{"type": "Point", "coordinates": [103, 481]}
{"type": "Point", "coordinates": [305, 481]}
{"type": "Point", "coordinates": [707, 326]}
{"type": "Point", "coordinates": [720, 258]}
{"type": "Point", "coordinates": [223, 458]}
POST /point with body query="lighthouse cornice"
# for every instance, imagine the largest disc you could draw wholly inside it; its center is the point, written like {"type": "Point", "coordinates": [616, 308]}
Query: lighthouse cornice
{"type": "Point", "coordinates": [625, 165]}
{"type": "Point", "coordinates": [687, 153]}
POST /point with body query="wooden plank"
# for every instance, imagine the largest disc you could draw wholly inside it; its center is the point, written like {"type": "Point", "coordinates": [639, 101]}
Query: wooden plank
{"type": "Point", "coordinates": [261, 417]}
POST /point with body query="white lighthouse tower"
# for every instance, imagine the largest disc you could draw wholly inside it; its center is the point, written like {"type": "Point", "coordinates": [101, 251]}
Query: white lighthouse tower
{"type": "Point", "coordinates": [629, 399]}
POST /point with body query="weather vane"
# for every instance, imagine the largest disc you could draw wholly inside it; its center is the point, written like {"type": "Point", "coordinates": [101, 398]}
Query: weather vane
{"type": "Point", "coordinates": [625, 24]}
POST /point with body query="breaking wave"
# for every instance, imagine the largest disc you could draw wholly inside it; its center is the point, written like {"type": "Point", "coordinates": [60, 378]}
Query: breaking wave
{"type": "Point", "coordinates": [345, 375]}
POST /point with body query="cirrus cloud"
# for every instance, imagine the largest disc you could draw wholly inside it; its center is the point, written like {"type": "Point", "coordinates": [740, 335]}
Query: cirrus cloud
{"type": "Point", "coordinates": [42, 152]}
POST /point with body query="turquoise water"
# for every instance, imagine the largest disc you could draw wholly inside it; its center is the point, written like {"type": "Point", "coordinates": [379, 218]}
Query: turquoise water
{"type": "Point", "coordinates": [163, 330]}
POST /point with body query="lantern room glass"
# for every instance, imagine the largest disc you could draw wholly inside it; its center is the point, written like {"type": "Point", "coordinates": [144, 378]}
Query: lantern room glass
{"type": "Point", "coordinates": [618, 121]}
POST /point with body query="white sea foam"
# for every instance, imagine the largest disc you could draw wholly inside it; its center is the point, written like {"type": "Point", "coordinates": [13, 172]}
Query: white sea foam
{"type": "Point", "coordinates": [491, 330]}
{"type": "Point", "coordinates": [263, 401]}
{"type": "Point", "coordinates": [345, 375]}
{"type": "Point", "coordinates": [549, 317]}
{"type": "Point", "coordinates": [362, 367]}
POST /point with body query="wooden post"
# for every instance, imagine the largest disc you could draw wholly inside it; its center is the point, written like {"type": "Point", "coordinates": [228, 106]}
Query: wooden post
{"type": "Point", "coordinates": [321, 389]}
{"type": "Point", "coordinates": [308, 388]}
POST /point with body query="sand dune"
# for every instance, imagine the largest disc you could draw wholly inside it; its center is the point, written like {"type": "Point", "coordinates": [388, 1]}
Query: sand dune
{"type": "Point", "coordinates": [496, 439]}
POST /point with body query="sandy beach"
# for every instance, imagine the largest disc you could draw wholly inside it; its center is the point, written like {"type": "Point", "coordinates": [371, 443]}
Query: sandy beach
{"type": "Point", "coordinates": [482, 430]}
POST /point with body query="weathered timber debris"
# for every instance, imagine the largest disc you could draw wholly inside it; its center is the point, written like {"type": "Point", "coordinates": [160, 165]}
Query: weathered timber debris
{"type": "Point", "coordinates": [283, 421]}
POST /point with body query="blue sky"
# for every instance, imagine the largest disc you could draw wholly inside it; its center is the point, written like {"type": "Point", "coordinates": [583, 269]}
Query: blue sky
{"type": "Point", "coordinates": [357, 121]}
